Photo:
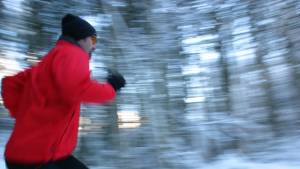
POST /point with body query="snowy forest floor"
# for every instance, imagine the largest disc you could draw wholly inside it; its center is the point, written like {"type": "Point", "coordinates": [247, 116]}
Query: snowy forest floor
{"type": "Point", "coordinates": [285, 157]}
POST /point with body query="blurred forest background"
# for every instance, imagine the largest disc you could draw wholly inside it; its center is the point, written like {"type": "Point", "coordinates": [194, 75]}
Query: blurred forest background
{"type": "Point", "coordinates": [205, 78]}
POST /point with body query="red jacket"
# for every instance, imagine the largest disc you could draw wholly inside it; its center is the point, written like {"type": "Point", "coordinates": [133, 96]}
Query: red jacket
{"type": "Point", "coordinates": [45, 102]}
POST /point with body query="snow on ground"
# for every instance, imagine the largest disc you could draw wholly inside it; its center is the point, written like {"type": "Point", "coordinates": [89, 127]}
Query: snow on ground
{"type": "Point", "coordinates": [286, 157]}
{"type": "Point", "coordinates": [235, 162]}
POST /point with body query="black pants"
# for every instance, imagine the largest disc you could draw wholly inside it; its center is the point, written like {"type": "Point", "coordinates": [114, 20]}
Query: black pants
{"type": "Point", "coordinates": [69, 162]}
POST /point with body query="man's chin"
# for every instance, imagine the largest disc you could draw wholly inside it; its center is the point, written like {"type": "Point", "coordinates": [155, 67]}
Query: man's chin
{"type": "Point", "coordinates": [90, 55]}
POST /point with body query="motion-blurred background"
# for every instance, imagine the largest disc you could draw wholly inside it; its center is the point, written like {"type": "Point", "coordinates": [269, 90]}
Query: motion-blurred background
{"type": "Point", "coordinates": [210, 83]}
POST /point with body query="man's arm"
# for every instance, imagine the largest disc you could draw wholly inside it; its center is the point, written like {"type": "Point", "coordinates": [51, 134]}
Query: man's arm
{"type": "Point", "coordinates": [12, 86]}
{"type": "Point", "coordinates": [72, 76]}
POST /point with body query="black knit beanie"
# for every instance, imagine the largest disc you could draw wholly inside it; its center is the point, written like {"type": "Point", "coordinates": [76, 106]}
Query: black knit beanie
{"type": "Point", "coordinates": [76, 27]}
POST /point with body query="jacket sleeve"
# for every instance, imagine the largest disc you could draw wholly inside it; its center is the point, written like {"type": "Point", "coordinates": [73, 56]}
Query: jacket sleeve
{"type": "Point", "coordinates": [12, 86]}
{"type": "Point", "coordinates": [72, 76]}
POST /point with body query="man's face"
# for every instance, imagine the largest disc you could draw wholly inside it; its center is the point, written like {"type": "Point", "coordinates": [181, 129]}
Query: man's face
{"type": "Point", "coordinates": [88, 44]}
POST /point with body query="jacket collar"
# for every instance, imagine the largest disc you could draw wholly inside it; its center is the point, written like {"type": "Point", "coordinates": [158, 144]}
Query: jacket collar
{"type": "Point", "coordinates": [69, 39]}
{"type": "Point", "coordinates": [72, 41]}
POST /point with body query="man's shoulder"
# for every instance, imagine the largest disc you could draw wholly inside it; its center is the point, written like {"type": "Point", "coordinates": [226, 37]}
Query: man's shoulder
{"type": "Point", "coordinates": [66, 52]}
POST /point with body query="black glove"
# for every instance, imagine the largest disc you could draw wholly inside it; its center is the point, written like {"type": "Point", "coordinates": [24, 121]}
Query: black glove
{"type": "Point", "coordinates": [116, 80]}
